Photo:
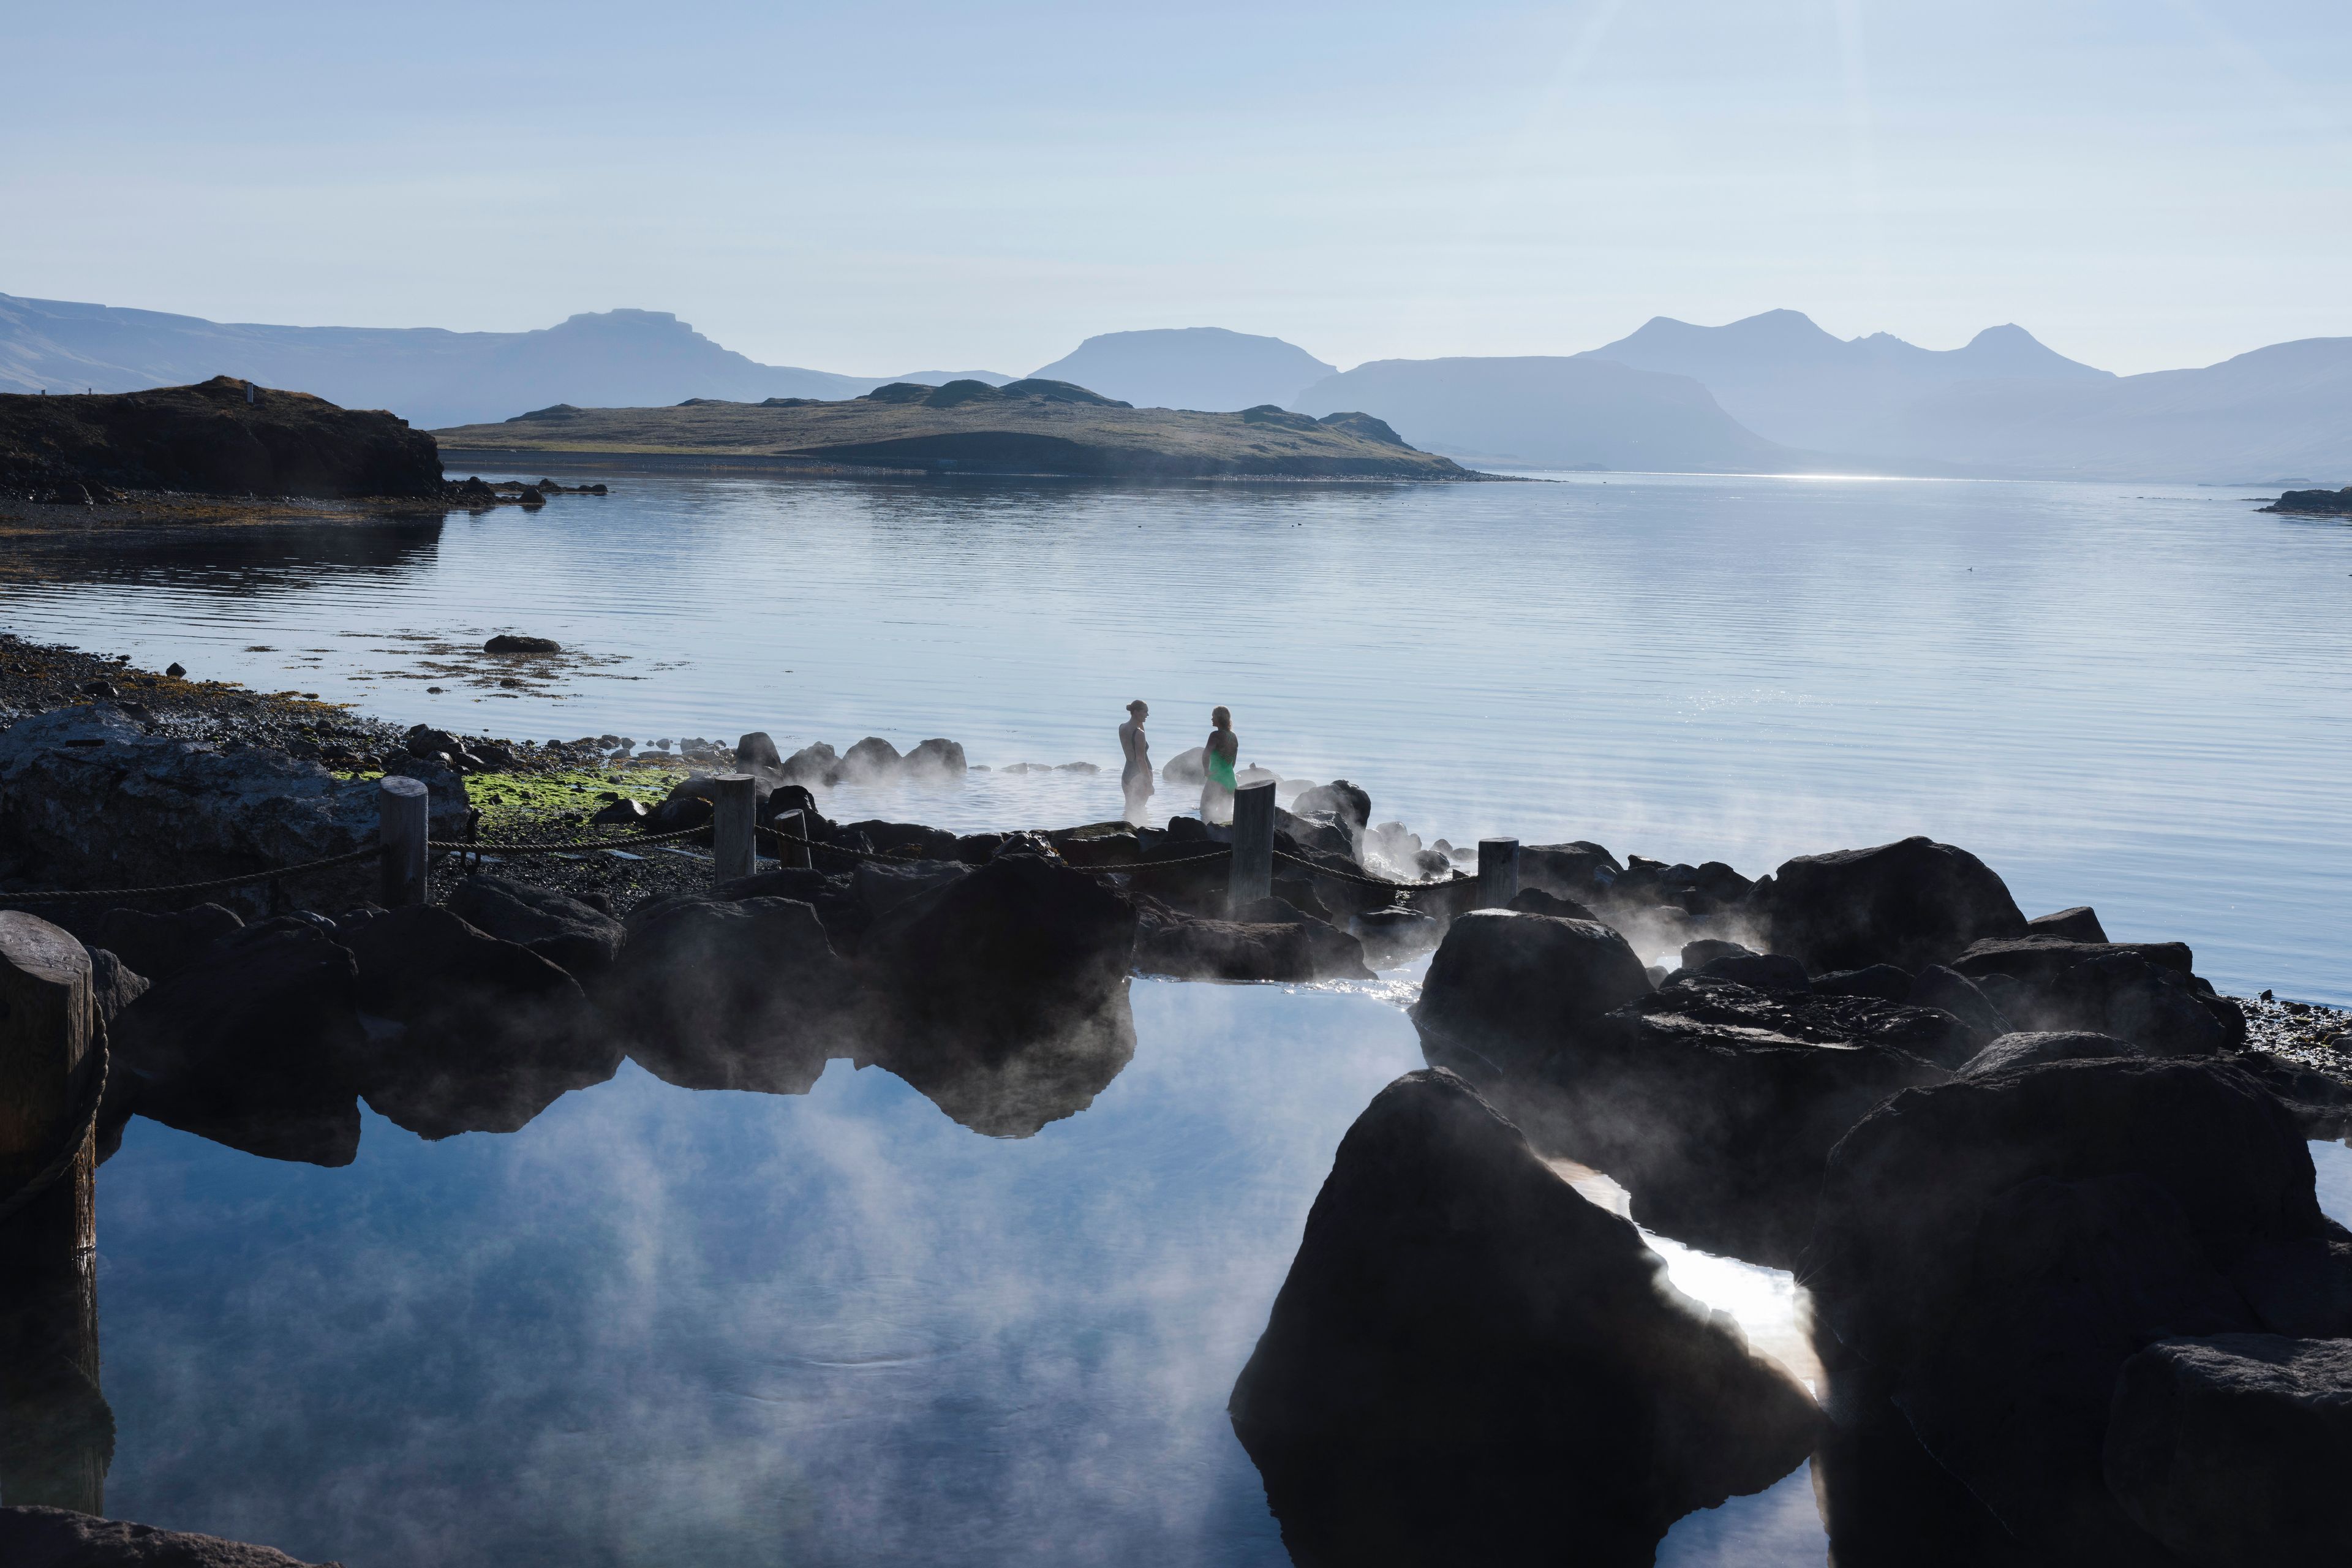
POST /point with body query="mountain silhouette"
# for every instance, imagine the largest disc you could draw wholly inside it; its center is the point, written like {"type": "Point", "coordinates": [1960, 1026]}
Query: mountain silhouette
{"type": "Point", "coordinates": [1207, 368]}
{"type": "Point", "coordinates": [1553, 411]}
{"type": "Point", "coordinates": [426, 375]}
{"type": "Point", "coordinates": [1786, 379]}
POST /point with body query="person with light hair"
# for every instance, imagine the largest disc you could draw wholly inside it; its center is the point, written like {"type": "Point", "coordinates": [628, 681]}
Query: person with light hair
{"type": "Point", "coordinates": [1217, 759]}
{"type": "Point", "coordinates": [1135, 775]}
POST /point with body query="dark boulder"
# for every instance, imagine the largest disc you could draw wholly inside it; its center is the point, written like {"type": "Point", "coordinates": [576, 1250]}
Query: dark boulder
{"type": "Point", "coordinates": [2080, 923]}
{"type": "Point", "coordinates": [514, 642]}
{"type": "Point", "coordinates": [1393, 934]}
{"type": "Point", "coordinates": [1332, 953]}
{"type": "Point", "coordinates": [2301, 1289]}
{"type": "Point", "coordinates": [1348, 807]}
{"type": "Point", "coordinates": [1699, 954]}
{"type": "Point", "coordinates": [1949, 992]}
{"type": "Point", "coordinates": [1536, 901]}
{"type": "Point", "coordinates": [1184, 768]}
{"type": "Point", "coordinates": [2320, 1101]}
{"type": "Point", "coordinates": [2060, 1283]}
{"type": "Point", "coordinates": [734, 993]}
{"type": "Point", "coordinates": [60, 1538]}
{"type": "Point", "coordinates": [1910, 903]}
{"type": "Point", "coordinates": [2233, 1449]}
{"type": "Point", "coordinates": [2038, 961]}
{"type": "Point", "coordinates": [2124, 995]}
{"type": "Point", "coordinates": [812, 764]}
{"type": "Point", "coordinates": [1760, 971]}
{"type": "Point", "coordinates": [2034, 1047]}
{"type": "Point", "coordinates": [113, 985]}
{"type": "Point", "coordinates": [582, 940]}
{"type": "Point", "coordinates": [624, 811]}
{"type": "Point", "coordinates": [756, 753]}
{"type": "Point", "coordinates": [880, 886]}
{"type": "Point", "coordinates": [1182, 946]}
{"type": "Point", "coordinates": [935, 761]}
{"type": "Point", "coordinates": [1905, 1189]}
{"type": "Point", "coordinates": [1505, 991]}
{"type": "Point", "coordinates": [493, 1033]}
{"type": "Point", "coordinates": [1717, 1104]}
{"type": "Point", "coordinates": [1581, 871]}
{"type": "Point", "coordinates": [256, 1043]}
{"type": "Point", "coordinates": [1469, 1362]}
{"type": "Point", "coordinates": [160, 946]}
{"type": "Point", "coordinates": [2141, 992]}
{"type": "Point", "coordinates": [871, 761]}
{"type": "Point", "coordinates": [1884, 981]}
{"type": "Point", "coordinates": [908, 838]}
{"type": "Point", "coordinates": [1997, 1248]}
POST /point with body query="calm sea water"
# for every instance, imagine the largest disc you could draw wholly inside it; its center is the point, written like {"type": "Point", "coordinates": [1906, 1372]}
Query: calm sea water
{"type": "Point", "coordinates": [659, 1326]}
{"type": "Point", "coordinates": [2135, 699]}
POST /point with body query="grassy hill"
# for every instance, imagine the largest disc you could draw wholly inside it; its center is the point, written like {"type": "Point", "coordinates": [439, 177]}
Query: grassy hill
{"type": "Point", "coordinates": [968, 428]}
{"type": "Point", "coordinates": [220, 437]}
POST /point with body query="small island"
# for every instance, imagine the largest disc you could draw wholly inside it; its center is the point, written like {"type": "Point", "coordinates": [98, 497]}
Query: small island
{"type": "Point", "coordinates": [1027, 427]}
{"type": "Point", "coordinates": [2315, 503]}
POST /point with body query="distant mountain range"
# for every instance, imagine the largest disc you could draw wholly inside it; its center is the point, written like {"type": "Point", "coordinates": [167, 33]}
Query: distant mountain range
{"type": "Point", "coordinates": [1789, 381]}
{"type": "Point", "coordinates": [1550, 412]}
{"type": "Point", "coordinates": [428, 376]}
{"type": "Point", "coordinates": [1772, 394]}
{"type": "Point", "coordinates": [1207, 368]}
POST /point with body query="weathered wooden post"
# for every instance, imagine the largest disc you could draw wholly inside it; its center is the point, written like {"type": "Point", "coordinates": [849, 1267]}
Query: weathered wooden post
{"type": "Point", "coordinates": [794, 852]}
{"type": "Point", "coordinates": [734, 805]}
{"type": "Point", "coordinates": [1253, 868]}
{"type": "Point", "coordinates": [405, 809]}
{"type": "Point", "coordinates": [61, 1434]}
{"type": "Point", "coordinates": [1498, 872]}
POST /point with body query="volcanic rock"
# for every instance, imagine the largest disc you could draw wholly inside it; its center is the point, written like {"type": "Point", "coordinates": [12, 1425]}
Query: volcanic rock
{"type": "Point", "coordinates": [515, 642]}
{"type": "Point", "coordinates": [1469, 1362]}
{"type": "Point", "coordinates": [2233, 1449]}
{"type": "Point", "coordinates": [60, 1538]}
{"type": "Point", "coordinates": [2080, 923]}
{"type": "Point", "coordinates": [1506, 990]}
{"type": "Point", "coordinates": [93, 799]}
{"type": "Point", "coordinates": [1910, 903]}
{"type": "Point", "coordinates": [1717, 1103]}
{"type": "Point", "coordinates": [160, 945]}
{"type": "Point", "coordinates": [581, 940]}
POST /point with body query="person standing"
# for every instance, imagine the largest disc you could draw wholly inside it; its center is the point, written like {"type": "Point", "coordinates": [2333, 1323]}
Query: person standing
{"type": "Point", "coordinates": [1217, 759]}
{"type": "Point", "coordinates": [1135, 776]}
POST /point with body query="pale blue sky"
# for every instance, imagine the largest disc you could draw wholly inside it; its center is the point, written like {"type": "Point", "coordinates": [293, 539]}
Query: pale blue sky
{"type": "Point", "coordinates": [2141, 183]}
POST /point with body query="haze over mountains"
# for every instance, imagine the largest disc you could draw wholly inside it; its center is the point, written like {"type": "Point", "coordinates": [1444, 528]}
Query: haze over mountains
{"type": "Point", "coordinates": [429, 376]}
{"type": "Point", "coordinates": [1771, 394]}
{"type": "Point", "coordinates": [1207, 368]}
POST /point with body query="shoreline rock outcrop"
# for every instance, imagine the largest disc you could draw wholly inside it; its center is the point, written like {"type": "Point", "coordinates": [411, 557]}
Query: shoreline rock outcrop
{"type": "Point", "coordinates": [1470, 1362]}
{"type": "Point", "coordinates": [222, 436]}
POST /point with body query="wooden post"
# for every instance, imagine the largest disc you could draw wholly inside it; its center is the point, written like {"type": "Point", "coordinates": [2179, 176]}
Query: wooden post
{"type": "Point", "coordinates": [792, 853]}
{"type": "Point", "coordinates": [62, 1438]}
{"type": "Point", "coordinates": [1253, 868]}
{"type": "Point", "coordinates": [404, 810]}
{"type": "Point", "coordinates": [732, 810]}
{"type": "Point", "coordinates": [1498, 872]}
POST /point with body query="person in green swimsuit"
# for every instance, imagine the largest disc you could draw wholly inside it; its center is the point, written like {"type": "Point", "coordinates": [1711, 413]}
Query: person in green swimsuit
{"type": "Point", "coordinates": [1217, 762]}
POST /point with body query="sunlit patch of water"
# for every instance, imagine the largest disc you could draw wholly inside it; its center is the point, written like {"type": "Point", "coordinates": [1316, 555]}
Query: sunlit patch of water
{"type": "Point", "coordinates": [1771, 1308]}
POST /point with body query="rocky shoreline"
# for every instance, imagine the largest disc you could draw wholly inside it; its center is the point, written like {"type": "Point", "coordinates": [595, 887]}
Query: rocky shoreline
{"type": "Point", "coordinates": [2050, 1193]}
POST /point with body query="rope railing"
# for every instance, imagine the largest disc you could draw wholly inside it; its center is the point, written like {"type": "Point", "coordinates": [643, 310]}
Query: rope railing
{"type": "Point", "coordinates": [402, 850]}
